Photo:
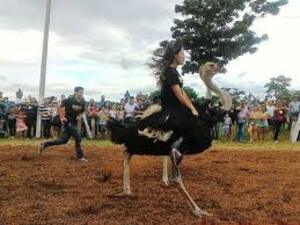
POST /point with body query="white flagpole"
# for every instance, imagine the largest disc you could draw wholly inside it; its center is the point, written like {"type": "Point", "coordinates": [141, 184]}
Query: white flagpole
{"type": "Point", "coordinates": [43, 67]}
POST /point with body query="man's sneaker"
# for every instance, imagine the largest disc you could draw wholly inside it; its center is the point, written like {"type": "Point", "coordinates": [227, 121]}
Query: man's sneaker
{"type": "Point", "coordinates": [41, 148]}
{"type": "Point", "coordinates": [83, 159]}
{"type": "Point", "coordinates": [176, 156]}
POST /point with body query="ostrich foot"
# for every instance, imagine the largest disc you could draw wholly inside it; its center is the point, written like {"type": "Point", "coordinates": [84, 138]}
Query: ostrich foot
{"type": "Point", "coordinates": [201, 213]}
{"type": "Point", "coordinates": [165, 182]}
{"type": "Point", "coordinates": [121, 193]}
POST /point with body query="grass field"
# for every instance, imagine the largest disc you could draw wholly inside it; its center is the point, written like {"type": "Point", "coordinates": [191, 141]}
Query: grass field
{"type": "Point", "coordinates": [262, 145]}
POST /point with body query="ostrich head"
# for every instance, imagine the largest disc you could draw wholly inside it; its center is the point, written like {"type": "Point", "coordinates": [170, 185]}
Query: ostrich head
{"type": "Point", "coordinates": [209, 69]}
{"type": "Point", "coordinates": [207, 72]}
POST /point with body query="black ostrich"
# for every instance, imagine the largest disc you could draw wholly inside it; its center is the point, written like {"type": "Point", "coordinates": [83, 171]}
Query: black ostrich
{"type": "Point", "coordinates": [150, 135]}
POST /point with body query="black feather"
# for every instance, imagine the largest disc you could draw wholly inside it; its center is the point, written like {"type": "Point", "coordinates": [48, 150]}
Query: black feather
{"type": "Point", "coordinates": [196, 131]}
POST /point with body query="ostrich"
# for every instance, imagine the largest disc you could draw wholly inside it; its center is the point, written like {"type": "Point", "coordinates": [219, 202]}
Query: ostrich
{"type": "Point", "coordinates": [140, 139]}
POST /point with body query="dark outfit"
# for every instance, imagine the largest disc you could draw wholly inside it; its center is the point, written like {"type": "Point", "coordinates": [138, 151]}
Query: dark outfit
{"type": "Point", "coordinates": [11, 122]}
{"type": "Point", "coordinates": [73, 108]}
{"type": "Point", "coordinates": [278, 121]}
{"type": "Point", "coordinates": [194, 131]}
{"type": "Point", "coordinates": [3, 119]}
{"type": "Point", "coordinates": [179, 114]}
{"type": "Point", "coordinates": [30, 120]}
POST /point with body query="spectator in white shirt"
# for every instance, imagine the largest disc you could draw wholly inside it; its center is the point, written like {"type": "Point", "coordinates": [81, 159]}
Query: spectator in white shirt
{"type": "Point", "coordinates": [270, 112]}
{"type": "Point", "coordinates": [130, 108]}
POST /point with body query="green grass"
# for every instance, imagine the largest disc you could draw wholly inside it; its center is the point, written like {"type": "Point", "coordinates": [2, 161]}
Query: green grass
{"type": "Point", "coordinates": [263, 145]}
{"type": "Point", "coordinates": [35, 142]}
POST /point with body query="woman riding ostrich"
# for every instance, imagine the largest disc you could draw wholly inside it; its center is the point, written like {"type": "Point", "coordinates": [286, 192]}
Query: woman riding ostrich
{"type": "Point", "coordinates": [177, 126]}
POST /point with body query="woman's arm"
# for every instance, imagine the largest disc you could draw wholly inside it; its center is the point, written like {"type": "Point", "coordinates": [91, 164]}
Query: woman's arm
{"type": "Point", "coordinates": [183, 98]}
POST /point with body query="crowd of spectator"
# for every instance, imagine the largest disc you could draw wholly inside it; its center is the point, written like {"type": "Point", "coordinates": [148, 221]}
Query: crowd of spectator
{"type": "Point", "coordinates": [18, 118]}
{"type": "Point", "coordinates": [260, 120]}
{"type": "Point", "coordinates": [245, 122]}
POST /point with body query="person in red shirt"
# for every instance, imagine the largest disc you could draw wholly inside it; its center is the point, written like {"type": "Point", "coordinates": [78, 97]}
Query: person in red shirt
{"type": "Point", "coordinates": [278, 119]}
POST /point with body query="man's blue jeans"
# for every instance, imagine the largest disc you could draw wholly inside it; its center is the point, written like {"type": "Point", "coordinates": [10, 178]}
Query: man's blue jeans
{"type": "Point", "coordinates": [69, 130]}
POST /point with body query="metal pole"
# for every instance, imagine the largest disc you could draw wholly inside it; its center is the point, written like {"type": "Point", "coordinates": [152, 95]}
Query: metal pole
{"type": "Point", "coordinates": [43, 67]}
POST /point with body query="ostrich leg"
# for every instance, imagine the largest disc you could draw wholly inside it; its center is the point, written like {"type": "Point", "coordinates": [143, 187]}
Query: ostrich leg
{"type": "Point", "coordinates": [177, 178]}
{"type": "Point", "coordinates": [126, 178]}
{"type": "Point", "coordinates": [164, 176]}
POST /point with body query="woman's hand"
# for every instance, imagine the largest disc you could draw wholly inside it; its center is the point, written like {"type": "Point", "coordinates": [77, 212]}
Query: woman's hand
{"type": "Point", "coordinates": [195, 112]}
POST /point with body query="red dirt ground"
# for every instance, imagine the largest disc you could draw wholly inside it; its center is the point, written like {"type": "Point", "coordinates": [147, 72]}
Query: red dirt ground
{"type": "Point", "coordinates": [238, 187]}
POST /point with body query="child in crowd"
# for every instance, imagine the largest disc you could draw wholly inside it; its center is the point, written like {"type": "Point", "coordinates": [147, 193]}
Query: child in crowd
{"type": "Point", "coordinates": [21, 127]}
{"type": "Point", "coordinates": [227, 127]}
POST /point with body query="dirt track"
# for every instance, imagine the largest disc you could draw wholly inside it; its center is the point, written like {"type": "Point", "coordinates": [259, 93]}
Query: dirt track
{"type": "Point", "coordinates": [238, 187]}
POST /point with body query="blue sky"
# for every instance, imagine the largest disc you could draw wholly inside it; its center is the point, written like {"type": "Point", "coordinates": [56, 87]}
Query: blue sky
{"type": "Point", "coordinates": [104, 46]}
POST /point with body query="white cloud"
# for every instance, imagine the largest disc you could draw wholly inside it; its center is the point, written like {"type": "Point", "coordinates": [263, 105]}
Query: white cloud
{"type": "Point", "coordinates": [105, 47]}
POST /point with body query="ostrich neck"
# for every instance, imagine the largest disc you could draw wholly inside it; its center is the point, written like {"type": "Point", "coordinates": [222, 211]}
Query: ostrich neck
{"type": "Point", "coordinates": [211, 86]}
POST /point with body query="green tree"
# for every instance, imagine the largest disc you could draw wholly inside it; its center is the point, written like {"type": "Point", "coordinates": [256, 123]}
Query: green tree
{"type": "Point", "coordinates": [235, 93]}
{"type": "Point", "coordinates": [219, 30]}
{"type": "Point", "coordinates": [154, 94]}
{"type": "Point", "coordinates": [295, 93]}
{"type": "Point", "coordinates": [191, 93]}
{"type": "Point", "coordinates": [278, 87]}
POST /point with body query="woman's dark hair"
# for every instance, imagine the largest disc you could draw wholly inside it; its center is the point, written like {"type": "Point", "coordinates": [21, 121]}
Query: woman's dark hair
{"type": "Point", "coordinates": [163, 57]}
